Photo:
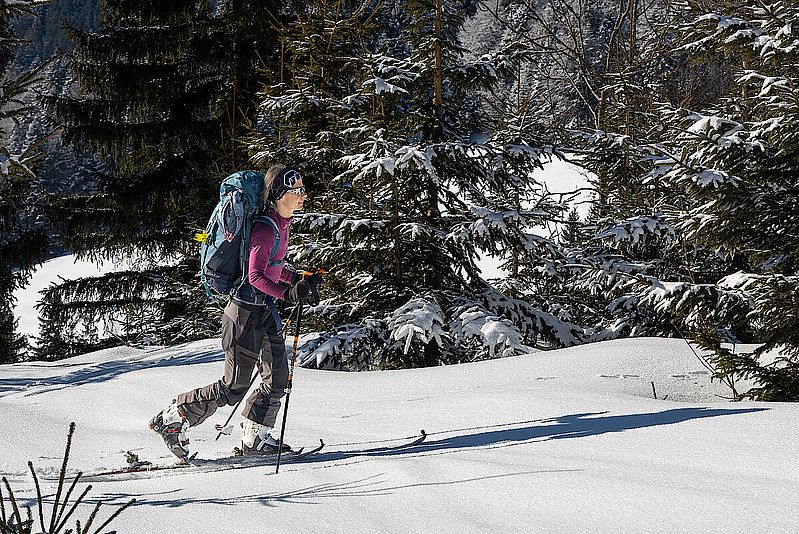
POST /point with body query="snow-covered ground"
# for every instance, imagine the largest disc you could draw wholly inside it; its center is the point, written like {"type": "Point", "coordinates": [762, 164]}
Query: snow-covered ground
{"type": "Point", "coordinates": [563, 441]}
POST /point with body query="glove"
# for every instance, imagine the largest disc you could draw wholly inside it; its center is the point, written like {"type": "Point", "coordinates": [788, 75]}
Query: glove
{"type": "Point", "coordinates": [297, 292]}
{"type": "Point", "coordinates": [304, 290]}
{"type": "Point", "coordinates": [315, 279]}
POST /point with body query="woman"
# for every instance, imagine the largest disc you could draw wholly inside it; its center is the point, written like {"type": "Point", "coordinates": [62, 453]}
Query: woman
{"type": "Point", "coordinates": [251, 331]}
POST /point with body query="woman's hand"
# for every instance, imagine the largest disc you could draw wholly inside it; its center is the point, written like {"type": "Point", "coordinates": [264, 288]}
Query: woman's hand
{"type": "Point", "coordinates": [304, 290]}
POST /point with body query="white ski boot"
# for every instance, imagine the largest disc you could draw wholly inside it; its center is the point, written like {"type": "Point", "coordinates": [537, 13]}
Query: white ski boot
{"type": "Point", "coordinates": [256, 439]}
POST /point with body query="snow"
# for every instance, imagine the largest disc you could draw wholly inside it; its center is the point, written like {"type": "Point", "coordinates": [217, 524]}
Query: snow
{"type": "Point", "coordinates": [494, 332]}
{"type": "Point", "coordinates": [562, 441]}
{"type": "Point", "coordinates": [420, 318]}
{"type": "Point", "coordinates": [52, 272]}
{"type": "Point", "coordinates": [382, 86]}
{"type": "Point", "coordinates": [569, 182]}
{"type": "Point", "coordinates": [636, 228]}
{"type": "Point", "coordinates": [711, 177]}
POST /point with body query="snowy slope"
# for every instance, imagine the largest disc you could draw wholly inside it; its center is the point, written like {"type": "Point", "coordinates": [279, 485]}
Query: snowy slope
{"type": "Point", "coordinates": [561, 441]}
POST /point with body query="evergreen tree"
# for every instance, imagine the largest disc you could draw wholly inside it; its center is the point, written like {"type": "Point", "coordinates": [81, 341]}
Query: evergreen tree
{"type": "Point", "coordinates": [632, 231]}
{"type": "Point", "coordinates": [21, 244]}
{"type": "Point", "coordinates": [45, 35]}
{"type": "Point", "coordinates": [45, 38]}
{"type": "Point", "coordinates": [738, 163]}
{"type": "Point", "coordinates": [611, 69]}
{"type": "Point", "coordinates": [79, 314]}
{"type": "Point", "coordinates": [166, 95]}
{"type": "Point", "coordinates": [415, 180]}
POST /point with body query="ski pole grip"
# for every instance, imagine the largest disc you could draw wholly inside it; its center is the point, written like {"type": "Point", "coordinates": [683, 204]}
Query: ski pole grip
{"type": "Point", "coordinates": [311, 273]}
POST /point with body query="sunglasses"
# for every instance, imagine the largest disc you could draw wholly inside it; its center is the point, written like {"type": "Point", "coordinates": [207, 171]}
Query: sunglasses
{"type": "Point", "coordinates": [299, 191]}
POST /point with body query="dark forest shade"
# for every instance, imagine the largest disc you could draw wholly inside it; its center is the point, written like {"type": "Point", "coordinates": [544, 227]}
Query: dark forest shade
{"type": "Point", "coordinates": [21, 244]}
{"type": "Point", "coordinates": [166, 92]}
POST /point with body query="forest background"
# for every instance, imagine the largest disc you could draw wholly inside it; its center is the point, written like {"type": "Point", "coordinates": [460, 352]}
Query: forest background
{"type": "Point", "coordinates": [418, 125]}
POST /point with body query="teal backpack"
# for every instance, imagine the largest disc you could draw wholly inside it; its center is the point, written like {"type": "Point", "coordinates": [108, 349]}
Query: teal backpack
{"type": "Point", "coordinates": [225, 244]}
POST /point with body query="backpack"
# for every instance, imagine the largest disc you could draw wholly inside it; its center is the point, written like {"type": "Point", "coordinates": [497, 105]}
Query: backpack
{"type": "Point", "coordinates": [225, 244]}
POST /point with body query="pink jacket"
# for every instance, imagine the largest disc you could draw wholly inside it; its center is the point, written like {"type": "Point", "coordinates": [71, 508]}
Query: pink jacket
{"type": "Point", "coordinates": [265, 275]}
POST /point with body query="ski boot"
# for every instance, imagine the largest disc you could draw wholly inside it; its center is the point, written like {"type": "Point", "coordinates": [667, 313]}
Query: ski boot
{"type": "Point", "coordinates": [257, 440]}
{"type": "Point", "coordinates": [172, 426]}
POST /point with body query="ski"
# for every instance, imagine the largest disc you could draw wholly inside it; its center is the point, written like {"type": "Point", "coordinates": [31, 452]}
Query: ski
{"type": "Point", "coordinates": [414, 440]}
{"type": "Point", "coordinates": [392, 448]}
{"type": "Point", "coordinates": [136, 466]}
{"type": "Point", "coordinates": [140, 468]}
{"type": "Point", "coordinates": [271, 459]}
{"type": "Point", "coordinates": [417, 441]}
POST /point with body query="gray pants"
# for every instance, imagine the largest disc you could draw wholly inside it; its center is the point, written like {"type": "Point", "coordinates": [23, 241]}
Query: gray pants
{"type": "Point", "coordinates": [250, 337]}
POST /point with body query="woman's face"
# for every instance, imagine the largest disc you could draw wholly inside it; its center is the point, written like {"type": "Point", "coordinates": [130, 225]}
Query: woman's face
{"type": "Point", "coordinates": [291, 201]}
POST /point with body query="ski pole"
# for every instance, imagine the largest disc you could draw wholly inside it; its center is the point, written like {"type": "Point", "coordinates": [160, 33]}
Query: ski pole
{"type": "Point", "coordinates": [288, 384]}
{"type": "Point", "coordinates": [221, 429]}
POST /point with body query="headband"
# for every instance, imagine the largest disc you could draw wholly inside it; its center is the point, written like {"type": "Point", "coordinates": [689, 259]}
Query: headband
{"type": "Point", "coordinates": [285, 181]}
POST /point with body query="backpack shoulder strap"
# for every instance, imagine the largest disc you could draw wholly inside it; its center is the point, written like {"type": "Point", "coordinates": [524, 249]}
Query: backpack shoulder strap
{"type": "Point", "coordinates": [265, 219]}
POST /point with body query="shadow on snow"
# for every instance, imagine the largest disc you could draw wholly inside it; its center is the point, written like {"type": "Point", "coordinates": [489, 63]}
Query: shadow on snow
{"type": "Point", "coordinates": [103, 371]}
{"type": "Point", "coordinates": [564, 427]}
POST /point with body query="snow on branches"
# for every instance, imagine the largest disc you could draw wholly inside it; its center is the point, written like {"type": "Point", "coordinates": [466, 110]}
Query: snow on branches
{"type": "Point", "coordinates": [636, 229]}
{"type": "Point", "coordinates": [499, 335]}
{"type": "Point", "coordinates": [419, 319]}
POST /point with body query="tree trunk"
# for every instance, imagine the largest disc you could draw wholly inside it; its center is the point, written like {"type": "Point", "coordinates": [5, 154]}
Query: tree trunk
{"type": "Point", "coordinates": [431, 354]}
{"type": "Point", "coordinates": [439, 79]}
{"type": "Point", "coordinates": [397, 236]}
{"type": "Point", "coordinates": [438, 90]}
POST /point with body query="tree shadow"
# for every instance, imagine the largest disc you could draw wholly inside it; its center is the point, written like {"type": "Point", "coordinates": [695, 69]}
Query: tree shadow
{"type": "Point", "coordinates": [103, 371]}
{"type": "Point", "coordinates": [564, 427]}
{"type": "Point", "coordinates": [373, 486]}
